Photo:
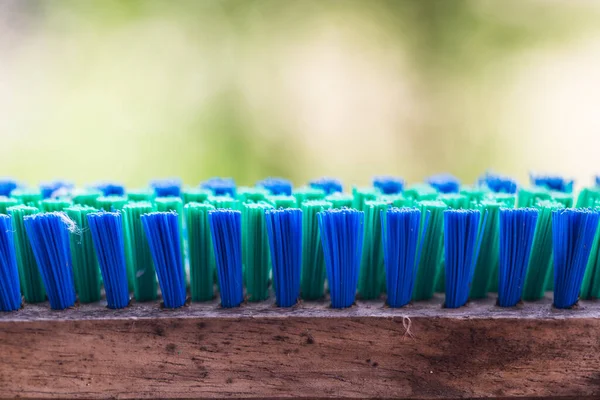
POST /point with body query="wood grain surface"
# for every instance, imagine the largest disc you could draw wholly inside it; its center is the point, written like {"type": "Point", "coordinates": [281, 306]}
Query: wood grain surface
{"type": "Point", "coordinates": [260, 351]}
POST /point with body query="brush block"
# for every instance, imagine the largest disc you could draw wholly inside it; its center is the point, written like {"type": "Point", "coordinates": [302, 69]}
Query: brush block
{"type": "Point", "coordinates": [258, 350]}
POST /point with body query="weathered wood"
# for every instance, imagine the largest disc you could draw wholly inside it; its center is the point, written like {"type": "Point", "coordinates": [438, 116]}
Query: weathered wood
{"type": "Point", "coordinates": [309, 351]}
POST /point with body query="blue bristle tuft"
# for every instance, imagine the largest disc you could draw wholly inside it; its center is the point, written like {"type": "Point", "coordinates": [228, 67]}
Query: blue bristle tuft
{"type": "Point", "coordinates": [388, 184]}
{"type": "Point", "coordinates": [461, 247]}
{"type": "Point", "coordinates": [401, 252]}
{"type": "Point", "coordinates": [498, 183]}
{"type": "Point", "coordinates": [342, 238]}
{"type": "Point", "coordinates": [597, 180]}
{"type": "Point", "coordinates": [10, 291]}
{"type": "Point", "coordinates": [49, 237]}
{"type": "Point", "coordinates": [226, 232]}
{"type": "Point", "coordinates": [166, 187]}
{"type": "Point", "coordinates": [284, 227]}
{"type": "Point", "coordinates": [573, 232]}
{"type": "Point", "coordinates": [162, 231]}
{"type": "Point", "coordinates": [552, 182]}
{"type": "Point", "coordinates": [58, 188]}
{"type": "Point", "coordinates": [107, 235]}
{"type": "Point", "coordinates": [110, 188]}
{"type": "Point", "coordinates": [220, 186]}
{"type": "Point", "coordinates": [7, 185]}
{"type": "Point", "coordinates": [444, 183]}
{"type": "Point", "coordinates": [517, 227]}
{"type": "Point", "coordinates": [276, 186]}
{"type": "Point", "coordinates": [328, 185]}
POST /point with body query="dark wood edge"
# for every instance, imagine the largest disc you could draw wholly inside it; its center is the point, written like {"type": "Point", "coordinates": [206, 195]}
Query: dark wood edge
{"type": "Point", "coordinates": [422, 351]}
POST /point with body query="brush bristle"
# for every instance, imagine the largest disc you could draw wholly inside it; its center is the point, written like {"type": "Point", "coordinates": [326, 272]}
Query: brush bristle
{"type": "Point", "coordinates": [517, 227]}
{"type": "Point", "coordinates": [6, 203]}
{"type": "Point", "coordinates": [342, 238]}
{"type": "Point", "coordinates": [111, 203]}
{"type": "Point", "coordinates": [573, 232]}
{"type": "Point", "coordinates": [107, 235]}
{"type": "Point", "coordinates": [86, 272]}
{"type": "Point", "coordinates": [485, 276]}
{"type": "Point", "coordinates": [252, 194]}
{"type": "Point", "coordinates": [110, 188]}
{"type": "Point", "coordinates": [313, 261]}
{"type": "Point", "coordinates": [220, 186]}
{"type": "Point", "coordinates": [402, 249]}
{"type": "Point", "coordinates": [276, 186]}
{"type": "Point", "coordinates": [49, 237]}
{"type": "Point", "coordinates": [255, 251]}
{"type": "Point", "coordinates": [388, 184]}
{"type": "Point", "coordinates": [32, 285]}
{"type": "Point", "coordinates": [327, 184]}
{"type": "Point", "coordinates": [340, 200]}
{"type": "Point", "coordinates": [461, 245]}
{"type": "Point", "coordinates": [163, 233]}
{"type": "Point", "coordinates": [140, 267]}
{"type": "Point", "coordinates": [430, 263]}
{"type": "Point", "coordinates": [7, 186]}
{"type": "Point", "coordinates": [284, 229]}
{"type": "Point", "coordinates": [201, 253]}
{"type": "Point", "coordinates": [166, 187]}
{"type": "Point", "coordinates": [28, 197]}
{"type": "Point", "coordinates": [226, 231]}
{"type": "Point", "coordinates": [498, 183]}
{"type": "Point", "coordinates": [444, 183]}
{"type": "Point", "coordinates": [371, 279]}
{"type": "Point", "coordinates": [552, 182]}
{"type": "Point", "coordinates": [58, 188]}
{"type": "Point", "coordinates": [10, 292]}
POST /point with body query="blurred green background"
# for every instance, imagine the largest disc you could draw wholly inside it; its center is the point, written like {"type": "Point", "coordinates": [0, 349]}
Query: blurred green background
{"type": "Point", "coordinates": [134, 90]}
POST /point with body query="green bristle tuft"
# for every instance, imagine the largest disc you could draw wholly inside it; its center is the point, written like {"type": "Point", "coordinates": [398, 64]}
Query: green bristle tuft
{"type": "Point", "coordinates": [432, 252]}
{"type": "Point", "coordinates": [282, 201]}
{"type": "Point", "coordinates": [111, 203]}
{"type": "Point", "coordinates": [454, 200]}
{"type": "Point", "coordinates": [224, 202]}
{"type": "Point", "coordinates": [528, 197]}
{"type": "Point", "coordinates": [340, 200]}
{"type": "Point", "coordinates": [507, 200]}
{"type": "Point", "coordinates": [312, 285]}
{"type": "Point", "coordinates": [474, 194]}
{"type": "Point", "coordinates": [28, 197]}
{"type": "Point", "coordinates": [86, 198]}
{"type": "Point", "coordinates": [539, 270]}
{"type": "Point", "coordinates": [590, 288]}
{"type": "Point", "coordinates": [251, 194]}
{"type": "Point", "coordinates": [86, 272]}
{"type": "Point", "coordinates": [371, 279]}
{"type": "Point", "coordinates": [195, 195]}
{"type": "Point", "coordinates": [201, 253]}
{"type": "Point", "coordinates": [50, 205]}
{"type": "Point", "coordinates": [361, 195]}
{"type": "Point", "coordinates": [566, 199]}
{"type": "Point", "coordinates": [588, 197]}
{"type": "Point", "coordinates": [32, 285]}
{"type": "Point", "coordinates": [255, 251]}
{"type": "Point", "coordinates": [308, 193]}
{"type": "Point", "coordinates": [165, 204]}
{"type": "Point", "coordinates": [396, 200]}
{"type": "Point", "coordinates": [486, 266]}
{"type": "Point", "coordinates": [140, 195]}
{"type": "Point", "coordinates": [140, 267]}
{"type": "Point", "coordinates": [6, 203]}
{"type": "Point", "coordinates": [420, 192]}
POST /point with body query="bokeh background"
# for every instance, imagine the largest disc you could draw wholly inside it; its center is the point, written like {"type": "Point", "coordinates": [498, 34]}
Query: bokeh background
{"type": "Point", "coordinates": [140, 89]}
